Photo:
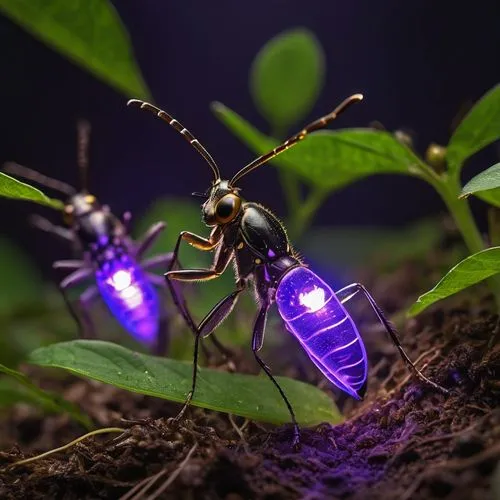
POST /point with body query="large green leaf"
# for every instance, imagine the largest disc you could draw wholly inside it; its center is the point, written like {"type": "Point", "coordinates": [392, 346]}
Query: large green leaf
{"type": "Point", "coordinates": [49, 401]}
{"type": "Point", "coordinates": [485, 185]}
{"type": "Point", "coordinates": [330, 159]}
{"type": "Point", "coordinates": [286, 78]}
{"type": "Point", "coordinates": [479, 128]}
{"type": "Point", "coordinates": [466, 273]}
{"type": "Point", "coordinates": [17, 190]}
{"type": "Point", "coordinates": [246, 395]}
{"type": "Point", "coordinates": [89, 33]}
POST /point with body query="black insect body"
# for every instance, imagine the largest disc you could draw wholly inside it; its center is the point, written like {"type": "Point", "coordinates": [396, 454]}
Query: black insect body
{"type": "Point", "coordinates": [251, 236]}
{"type": "Point", "coordinates": [109, 257]}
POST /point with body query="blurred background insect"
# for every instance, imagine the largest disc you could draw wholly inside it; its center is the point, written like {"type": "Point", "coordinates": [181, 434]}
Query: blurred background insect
{"type": "Point", "coordinates": [251, 236]}
{"type": "Point", "coordinates": [108, 256]}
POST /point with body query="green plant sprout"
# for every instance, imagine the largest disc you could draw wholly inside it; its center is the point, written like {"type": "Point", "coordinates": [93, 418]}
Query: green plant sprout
{"type": "Point", "coordinates": [480, 265]}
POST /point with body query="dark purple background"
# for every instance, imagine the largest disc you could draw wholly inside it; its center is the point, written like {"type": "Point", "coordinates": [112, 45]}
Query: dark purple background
{"type": "Point", "coordinates": [416, 62]}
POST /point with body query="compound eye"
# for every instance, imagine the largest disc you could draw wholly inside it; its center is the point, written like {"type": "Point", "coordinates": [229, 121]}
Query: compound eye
{"type": "Point", "coordinates": [68, 214]}
{"type": "Point", "coordinates": [227, 208]}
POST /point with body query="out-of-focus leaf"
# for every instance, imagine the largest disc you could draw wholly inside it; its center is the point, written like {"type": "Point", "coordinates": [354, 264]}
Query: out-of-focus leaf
{"type": "Point", "coordinates": [356, 246]}
{"type": "Point", "coordinates": [485, 185]}
{"type": "Point", "coordinates": [20, 280]}
{"type": "Point", "coordinates": [12, 393]}
{"type": "Point", "coordinates": [480, 127]}
{"type": "Point", "coordinates": [49, 401]}
{"type": "Point", "coordinates": [466, 273]}
{"type": "Point", "coordinates": [330, 159]}
{"type": "Point", "coordinates": [245, 395]}
{"type": "Point", "coordinates": [89, 33]}
{"type": "Point", "coordinates": [17, 190]}
{"type": "Point", "coordinates": [286, 78]}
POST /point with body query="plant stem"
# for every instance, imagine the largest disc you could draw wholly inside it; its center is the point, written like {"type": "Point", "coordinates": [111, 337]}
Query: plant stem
{"type": "Point", "coordinates": [494, 226]}
{"type": "Point", "coordinates": [302, 217]}
{"type": "Point", "coordinates": [288, 180]}
{"type": "Point", "coordinates": [449, 189]}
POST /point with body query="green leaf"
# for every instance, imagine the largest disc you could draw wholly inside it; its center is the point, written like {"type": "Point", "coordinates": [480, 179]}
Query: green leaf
{"type": "Point", "coordinates": [50, 402]}
{"type": "Point", "coordinates": [480, 127]}
{"type": "Point", "coordinates": [89, 33]}
{"type": "Point", "coordinates": [485, 185]}
{"type": "Point", "coordinates": [330, 159]}
{"type": "Point", "coordinates": [466, 273]}
{"type": "Point", "coordinates": [246, 395]}
{"type": "Point", "coordinates": [17, 190]}
{"type": "Point", "coordinates": [286, 77]}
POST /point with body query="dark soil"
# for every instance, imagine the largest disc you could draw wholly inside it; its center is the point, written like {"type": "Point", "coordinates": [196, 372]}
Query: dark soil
{"type": "Point", "coordinates": [404, 441]}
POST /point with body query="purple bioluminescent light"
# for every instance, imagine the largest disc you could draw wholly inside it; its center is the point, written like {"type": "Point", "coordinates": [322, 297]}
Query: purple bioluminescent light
{"type": "Point", "coordinates": [313, 313]}
{"type": "Point", "coordinates": [130, 297]}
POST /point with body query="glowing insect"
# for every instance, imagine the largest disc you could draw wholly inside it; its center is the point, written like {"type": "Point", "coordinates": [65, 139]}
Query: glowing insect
{"type": "Point", "coordinates": [109, 256]}
{"type": "Point", "coordinates": [255, 239]}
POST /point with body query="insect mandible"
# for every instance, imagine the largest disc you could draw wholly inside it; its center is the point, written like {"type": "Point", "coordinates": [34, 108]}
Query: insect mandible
{"type": "Point", "coordinates": [251, 236]}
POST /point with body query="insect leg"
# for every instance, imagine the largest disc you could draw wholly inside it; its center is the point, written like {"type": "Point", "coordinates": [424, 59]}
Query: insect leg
{"type": "Point", "coordinates": [350, 291]}
{"type": "Point", "coordinates": [159, 281]}
{"type": "Point", "coordinates": [86, 298]}
{"type": "Point", "coordinates": [214, 318]}
{"type": "Point", "coordinates": [68, 264]}
{"type": "Point", "coordinates": [162, 260]}
{"type": "Point", "coordinates": [126, 218]}
{"type": "Point", "coordinates": [257, 342]}
{"type": "Point", "coordinates": [144, 244]}
{"type": "Point", "coordinates": [73, 279]}
{"type": "Point", "coordinates": [220, 311]}
{"type": "Point", "coordinates": [47, 226]}
{"type": "Point", "coordinates": [221, 261]}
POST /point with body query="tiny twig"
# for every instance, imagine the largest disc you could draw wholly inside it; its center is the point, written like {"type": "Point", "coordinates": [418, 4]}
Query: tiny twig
{"type": "Point", "coordinates": [141, 488]}
{"type": "Point", "coordinates": [239, 431]}
{"type": "Point", "coordinates": [66, 446]}
{"type": "Point", "coordinates": [174, 474]}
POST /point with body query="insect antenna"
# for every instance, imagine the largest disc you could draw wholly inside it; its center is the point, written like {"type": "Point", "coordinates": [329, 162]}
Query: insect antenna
{"type": "Point", "coordinates": [83, 138]}
{"type": "Point", "coordinates": [315, 125]}
{"type": "Point", "coordinates": [163, 115]}
{"type": "Point", "coordinates": [44, 180]}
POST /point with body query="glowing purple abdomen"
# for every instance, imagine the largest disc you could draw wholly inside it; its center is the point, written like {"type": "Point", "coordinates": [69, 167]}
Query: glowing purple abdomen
{"type": "Point", "coordinates": [130, 296]}
{"type": "Point", "coordinates": [320, 322]}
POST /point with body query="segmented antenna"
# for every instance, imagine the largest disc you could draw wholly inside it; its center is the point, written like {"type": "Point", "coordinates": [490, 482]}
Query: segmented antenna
{"type": "Point", "coordinates": [33, 175]}
{"type": "Point", "coordinates": [83, 139]}
{"type": "Point", "coordinates": [292, 141]}
{"type": "Point", "coordinates": [163, 115]}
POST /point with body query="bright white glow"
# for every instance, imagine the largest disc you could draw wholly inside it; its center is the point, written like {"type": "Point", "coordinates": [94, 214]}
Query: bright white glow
{"type": "Point", "coordinates": [121, 280]}
{"type": "Point", "coordinates": [313, 300]}
{"type": "Point", "coordinates": [132, 296]}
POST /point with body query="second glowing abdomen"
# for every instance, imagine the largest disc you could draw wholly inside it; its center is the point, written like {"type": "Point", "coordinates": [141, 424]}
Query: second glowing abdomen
{"type": "Point", "coordinates": [131, 298]}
